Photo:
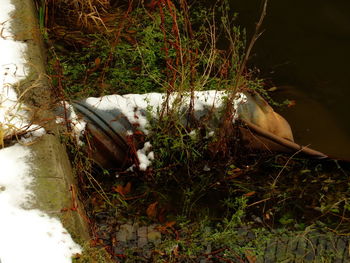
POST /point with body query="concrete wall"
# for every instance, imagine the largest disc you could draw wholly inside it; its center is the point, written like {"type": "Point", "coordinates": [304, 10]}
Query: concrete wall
{"type": "Point", "coordinates": [54, 179]}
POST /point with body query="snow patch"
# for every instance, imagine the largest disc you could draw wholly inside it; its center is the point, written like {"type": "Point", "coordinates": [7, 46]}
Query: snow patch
{"type": "Point", "coordinates": [14, 115]}
{"type": "Point", "coordinates": [145, 156]}
{"type": "Point", "coordinates": [38, 237]}
{"type": "Point", "coordinates": [134, 107]}
{"type": "Point", "coordinates": [137, 108]}
{"type": "Point", "coordinates": [66, 113]}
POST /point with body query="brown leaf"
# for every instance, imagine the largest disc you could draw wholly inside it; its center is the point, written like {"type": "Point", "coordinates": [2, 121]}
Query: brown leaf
{"type": "Point", "coordinates": [170, 223]}
{"type": "Point", "coordinates": [131, 40]}
{"type": "Point", "coordinates": [97, 62]}
{"type": "Point", "coordinates": [250, 193]}
{"type": "Point", "coordinates": [162, 215]}
{"type": "Point", "coordinates": [127, 188]}
{"type": "Point", "coordinates": [123, 190]}
{"type": "Point", "coordinates": [119, 189]}
{"type": "Point", "coordinates": [152, 210]}
{"type": "Point", "coordinates": [272, 89]}
{"type": "Point", "coordinates": [165, 228]}
{"type": "Point", "coordinates": [250, 256]}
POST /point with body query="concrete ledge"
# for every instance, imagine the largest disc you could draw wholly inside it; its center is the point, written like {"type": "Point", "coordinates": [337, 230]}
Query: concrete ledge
{"type": "Point", "coordinates": [54, 178]}
{"type": "Point", "coordinates": [55, 186]}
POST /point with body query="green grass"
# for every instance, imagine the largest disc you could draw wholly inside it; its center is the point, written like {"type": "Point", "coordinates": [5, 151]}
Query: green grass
{"type": "Point", "coordinates": [154, 52]}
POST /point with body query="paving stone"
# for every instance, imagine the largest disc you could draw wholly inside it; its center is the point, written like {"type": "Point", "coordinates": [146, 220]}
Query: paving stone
{"type": "Point", "coordinates": [142, 232]}
{"type": "Point", "coordinates": [142, 241]}
{"type": "Point", "coordinates": [270, 253]}
{"type": "Point", "coordinates": [301, 249]}
{"type": "Point", "coordinates": [142, 236]}
{"type": "Point", "coordinates": [126, 232]}
{"type": "Point", "coordinates": [154, 237]}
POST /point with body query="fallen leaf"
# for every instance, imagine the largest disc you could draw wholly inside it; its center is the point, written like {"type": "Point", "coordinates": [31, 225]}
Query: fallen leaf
{"type": "Point", "coordinates": [170, 223]}
{"type": "Point", "coordinates": [165, 228]}
{"type": "Point", "coordinates": [97, 62]}
{"type": "Point", "coordinates": [250, 193]}
{"type": "Point", "coordinates": [162, 215]}
{"type": "Point", "coordinates": [127, 188]}
{"type": "Point", "coordinates": [152, 210]}
{"type": "Point", "coordinates": [123, 190]}
{"type": "Point", "coordinates": [250, 257]}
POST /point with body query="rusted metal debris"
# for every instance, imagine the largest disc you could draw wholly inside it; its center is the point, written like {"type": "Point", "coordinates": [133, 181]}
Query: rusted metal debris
{"type": "Point", "coordinates": [263, 130]}
{"type": "Point", "coordinates": [112, 147]}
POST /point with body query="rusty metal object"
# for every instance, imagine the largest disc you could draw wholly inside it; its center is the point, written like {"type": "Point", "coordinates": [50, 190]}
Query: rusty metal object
{"type": "Point", "coordinates": [109, 136]}
{"type": "Point", "coordinates": [257, 138]}
{"type": "Point", "coordinates": [258, 112]}
{"type": "Point", "coordinates": [266, 130]}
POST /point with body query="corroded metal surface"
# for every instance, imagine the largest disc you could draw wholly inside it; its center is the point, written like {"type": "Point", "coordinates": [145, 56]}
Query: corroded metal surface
{"type": "Point", "coordinates": [259, 139]}
{"type": "Point", "coordinates": [109, 136]}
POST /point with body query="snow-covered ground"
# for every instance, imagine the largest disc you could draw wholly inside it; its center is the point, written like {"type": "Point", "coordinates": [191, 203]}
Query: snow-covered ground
{"type": "Point", "coordinates": [26, 235]}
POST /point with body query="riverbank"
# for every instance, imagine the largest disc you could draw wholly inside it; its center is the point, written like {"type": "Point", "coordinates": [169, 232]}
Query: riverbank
{"type": "Point", "coordinates": [202, 188]}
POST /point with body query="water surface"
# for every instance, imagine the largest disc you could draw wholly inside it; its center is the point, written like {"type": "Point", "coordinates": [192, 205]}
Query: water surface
{"type": "Point", "coordinates": [306, 49]}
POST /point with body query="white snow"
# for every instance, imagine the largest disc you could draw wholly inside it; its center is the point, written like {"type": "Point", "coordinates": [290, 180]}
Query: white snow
{"type": "Point", "coordinates": [77, 124]}
{"type": "Point", "coordinates": [13, 114]}
{"type": "Point", "coordinates": [26, 235]}
{"type": "Point", "coordinates": [135, 107]}
{"type": "Point", "coordinates": [145, 156]}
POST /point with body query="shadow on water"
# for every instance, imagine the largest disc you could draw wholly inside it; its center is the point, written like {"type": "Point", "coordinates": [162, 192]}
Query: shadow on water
{"type": "Point", "coordinates": [305, 46]}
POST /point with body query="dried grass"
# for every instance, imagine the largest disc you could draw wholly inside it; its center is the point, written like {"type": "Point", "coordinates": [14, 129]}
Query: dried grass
{"type": "Point", "coordinates": [85, 15]}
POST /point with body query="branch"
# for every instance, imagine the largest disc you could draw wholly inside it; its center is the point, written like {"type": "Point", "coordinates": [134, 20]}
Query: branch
{"type": "Point", "coordinates": [255, 37]}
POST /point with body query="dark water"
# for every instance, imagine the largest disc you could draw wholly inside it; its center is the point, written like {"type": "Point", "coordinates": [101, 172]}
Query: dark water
{"type": "Point", "coordinates": [306, 49]}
